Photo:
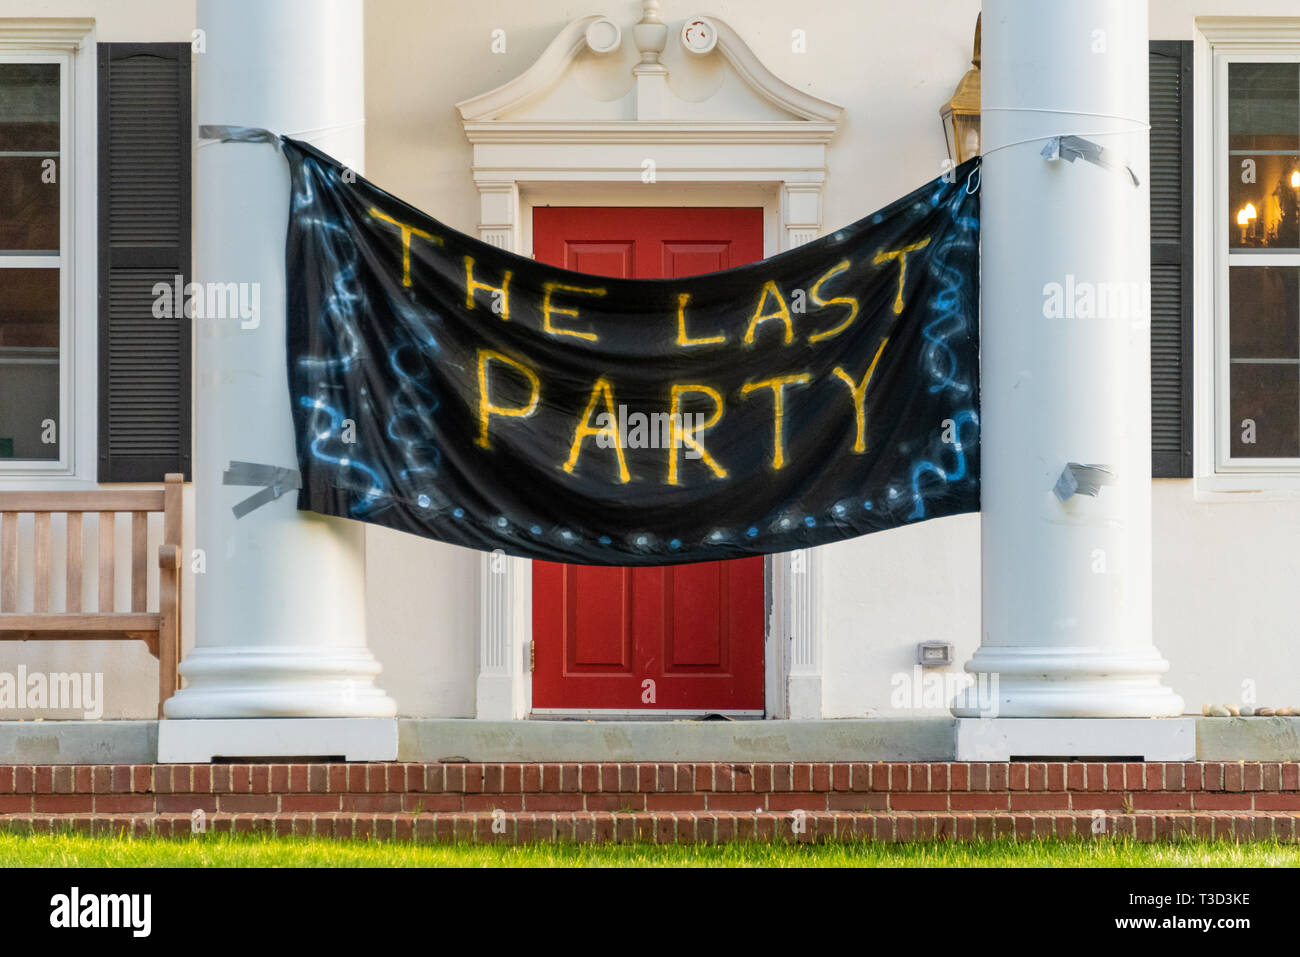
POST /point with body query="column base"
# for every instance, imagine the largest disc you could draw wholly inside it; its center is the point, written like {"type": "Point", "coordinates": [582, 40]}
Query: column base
{"type": "Point", "coordinates": [805, 697]}
{"type": "Point", "coordinates": [349, 739]}
{"type": "Point", "coordinates": [285, 681]}
{"type": "Point", "coordinates": [1018, 682]}
{"type": "Point", "coordinates": [1142, 739]}
{"type": "Point", "coordinates": [497, 698]}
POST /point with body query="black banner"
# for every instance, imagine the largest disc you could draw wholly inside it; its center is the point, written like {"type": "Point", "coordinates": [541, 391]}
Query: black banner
{"type": "Point", "coordinates": [445, 388]}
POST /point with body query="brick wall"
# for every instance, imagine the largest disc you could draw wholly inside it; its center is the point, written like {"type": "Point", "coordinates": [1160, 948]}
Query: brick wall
{"type": "Point", "coordinates": [695, 802]}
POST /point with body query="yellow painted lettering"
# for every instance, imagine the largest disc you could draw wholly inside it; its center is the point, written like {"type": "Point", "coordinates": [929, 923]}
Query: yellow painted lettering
{"type": "Point", "coordinates": [549, 310]}
{"type": "Point", "coordinates": [407, 232]}
{"type": "Point", "coordinates": [601, 390]}
{"type": "Point", "coordinates": [683, 339]}
{"type": "Point", "coordinates": [487, 409]}
{"type": "Point", "coordinates": [884, 256]}
{"type": "Point", "coordinates": [684, 436]}
{"type": "Point", "coordinates": [815, 295]}
{"type": "Point", "coordinates": [777, 384]}
{"type": "Point", "coordinates": [859, 391]}
{"type": "Point", "coordinates": [783, 313]}
{"type": "Point", "coordinates": [472, 284]}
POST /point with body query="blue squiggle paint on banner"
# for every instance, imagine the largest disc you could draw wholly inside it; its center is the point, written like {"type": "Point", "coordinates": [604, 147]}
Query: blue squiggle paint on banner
{"type": "Point", "coordinates": [375, 490]}
{"type": "Point", "coordinates": [927, 467]}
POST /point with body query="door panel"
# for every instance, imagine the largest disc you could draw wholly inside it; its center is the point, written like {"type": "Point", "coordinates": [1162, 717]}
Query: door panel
{"type": "Point", "coordinates": [695, 632]}
{"type": "Point", "coordinates": [690, 259]}
{"type": "Point", "coordinates": [601, 258]}
{"type": "Point", "coordinates": [598, 634]}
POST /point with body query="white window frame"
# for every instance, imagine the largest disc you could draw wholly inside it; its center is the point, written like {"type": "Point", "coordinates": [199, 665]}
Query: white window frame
{"type": "Point", "coordinates": [71, 44]}
{"type": "Point", "coordinates": [1218, 476]}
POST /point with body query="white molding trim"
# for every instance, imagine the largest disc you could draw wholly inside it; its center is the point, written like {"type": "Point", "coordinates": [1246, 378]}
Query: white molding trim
{"type": "Point", "coordinates": [1218, 37]}
{"type": "Point", "coordinates": [505, 689]}
{"type": "Point", "coordinates": [1262, 33]}
{"type": "Point", "coordinates": [803, 613]}
{"type": "Point", "coordinates": [546, 69]}
{"type": "Point", "coordinates": [769, 85]}
{"type": "Point", "coordinates": [518, 163]}
{"type": "Point", "coordinates": [47, 35]}
{"type": "Point", "coordinates": [499, 213]}
{"type": "Point", "coordinates": [658, 132]}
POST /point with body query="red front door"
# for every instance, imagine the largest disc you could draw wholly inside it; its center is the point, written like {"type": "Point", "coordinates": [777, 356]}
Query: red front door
{"type": "Point", "coordinates": [676, 637]}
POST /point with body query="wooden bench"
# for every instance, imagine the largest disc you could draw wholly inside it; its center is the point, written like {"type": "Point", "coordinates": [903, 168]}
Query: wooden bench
{"type": "Point", "coordinates": [160, 630]}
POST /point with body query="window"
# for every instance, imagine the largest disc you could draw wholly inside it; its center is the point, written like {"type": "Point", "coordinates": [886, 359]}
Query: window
{"type": "Point", "coordinates": [34, 307]}
{"type": "Point", "coordinates": [1258, 278]}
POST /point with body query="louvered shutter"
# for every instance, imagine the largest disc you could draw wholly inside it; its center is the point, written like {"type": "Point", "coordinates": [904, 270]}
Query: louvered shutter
{"type": "Point", "coordinates": [1171, 259]}
{"type": "Point", "coordinates": [144, 239]}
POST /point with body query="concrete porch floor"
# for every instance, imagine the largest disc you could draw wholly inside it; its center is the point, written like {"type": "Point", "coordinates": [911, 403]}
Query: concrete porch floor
{"type": "Point", "coordinates": [467, 739]}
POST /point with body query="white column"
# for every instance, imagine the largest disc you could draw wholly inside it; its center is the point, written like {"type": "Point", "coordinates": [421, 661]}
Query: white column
{"type": "Point", "coordinates": [1066, 587]}
{"type": "Point", "coordinates": [280, 608]}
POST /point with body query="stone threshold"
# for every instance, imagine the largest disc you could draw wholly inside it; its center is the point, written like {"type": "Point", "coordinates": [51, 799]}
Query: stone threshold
{"type": "Point", "coordinates": [829, 740]}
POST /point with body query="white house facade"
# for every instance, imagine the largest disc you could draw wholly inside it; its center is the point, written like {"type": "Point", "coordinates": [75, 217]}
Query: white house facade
{"type": "Point", "coordinates": [811, 115]}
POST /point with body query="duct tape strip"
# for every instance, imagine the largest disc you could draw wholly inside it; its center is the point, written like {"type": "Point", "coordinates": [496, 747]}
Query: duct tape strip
{"type": "Point", "coordinates": [253, 134]}
{"type": "Point", "coordinates": [1083, 480]}
{"type": "Point", "coordinates": [237, 134]}
{"type": "Point", "coordinates": [274, 479]}
{"type": "Point", "coordinates": [1071, 148]}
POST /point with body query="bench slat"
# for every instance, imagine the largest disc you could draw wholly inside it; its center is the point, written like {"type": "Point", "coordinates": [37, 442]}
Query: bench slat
{"type": "Point", "coordinates": [107, 521]}
{"type": "Point", "coordinates": [95, 500]}
{"type": "Point", "coordinates": [75, 561]}
{"type": "Point", "coordinates": [9, 562]}
{"type": "Point", "coordinates": [42, 570]}
{"type": "Point", "coordinates": [139, 548]}
{"type": "Point", "coordinates": [83, 622]}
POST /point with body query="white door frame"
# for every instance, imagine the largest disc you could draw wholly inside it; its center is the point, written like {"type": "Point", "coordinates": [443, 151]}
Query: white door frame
{"type": "Point", "coordinates": [792, 646]}
{"type": "Point", "coordinates": [780, 165]}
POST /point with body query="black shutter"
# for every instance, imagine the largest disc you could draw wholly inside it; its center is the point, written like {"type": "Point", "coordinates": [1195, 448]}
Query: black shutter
{"type": "Point", "coordinates": [144, 238]}
{"type": "Point", "coordinates": [1171, 259]}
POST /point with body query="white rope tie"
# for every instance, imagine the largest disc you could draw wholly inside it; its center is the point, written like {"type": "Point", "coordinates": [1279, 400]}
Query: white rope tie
{"type": "Point", "coordinates": [1138, 125]}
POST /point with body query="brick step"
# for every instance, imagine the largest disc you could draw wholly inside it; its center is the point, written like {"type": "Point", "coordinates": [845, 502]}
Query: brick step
{"type": "Point", "coordinates": [451, 802]}
{"type": "Point", "coordinates": [472, 778]}
{"type": "Point", "coordinates": [934, 787]}
{"type": "Point", "coordinates": [668, 827]}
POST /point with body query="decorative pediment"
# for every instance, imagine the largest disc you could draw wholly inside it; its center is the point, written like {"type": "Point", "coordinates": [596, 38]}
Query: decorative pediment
{"type": "Point", "coordinates": [593, 77]}
{"type": "Point", "coordinates": [685, 104]}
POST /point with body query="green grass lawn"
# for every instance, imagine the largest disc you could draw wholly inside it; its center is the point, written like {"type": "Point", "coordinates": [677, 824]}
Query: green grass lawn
{"type": "Point", "coordinates": [224, 850]}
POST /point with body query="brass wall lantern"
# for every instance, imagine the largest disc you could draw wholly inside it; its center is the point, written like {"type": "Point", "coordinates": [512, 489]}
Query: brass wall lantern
{"type": "Point", "coordinates": [961, 114]}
